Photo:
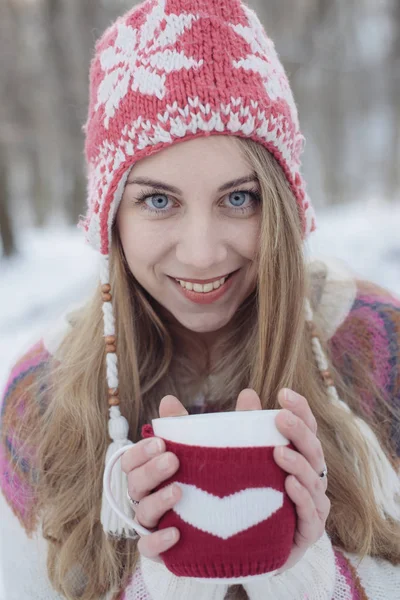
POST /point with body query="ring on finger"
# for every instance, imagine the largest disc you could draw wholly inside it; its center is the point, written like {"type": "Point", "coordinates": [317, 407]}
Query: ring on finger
{"type": "Point", "coordinates": [324, 473]}
{"type": "Point", "coordinates": [133, 503]}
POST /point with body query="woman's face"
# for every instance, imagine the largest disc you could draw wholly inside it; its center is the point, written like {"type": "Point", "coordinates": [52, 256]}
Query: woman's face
{"type": "Point", "coordinates": [196, 231]}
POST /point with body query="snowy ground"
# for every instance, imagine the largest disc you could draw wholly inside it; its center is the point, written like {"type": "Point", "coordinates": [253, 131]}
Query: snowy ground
{"type": "Point", "coordinates": [56, 269]}
{"type": "Point", "coordinates": [366, 235]}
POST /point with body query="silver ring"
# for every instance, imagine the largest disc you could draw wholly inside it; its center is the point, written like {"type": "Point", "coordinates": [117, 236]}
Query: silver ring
{"type": "Point", "coordinates": [134, 536]}
{"type": "Point", "coordinates": [133, 503]}
{"type": "Point", "coordinates": [324, 473]}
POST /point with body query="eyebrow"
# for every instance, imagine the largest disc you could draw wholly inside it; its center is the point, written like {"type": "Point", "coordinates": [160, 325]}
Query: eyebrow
{"type": "Point", "coordinates": [174, 190]}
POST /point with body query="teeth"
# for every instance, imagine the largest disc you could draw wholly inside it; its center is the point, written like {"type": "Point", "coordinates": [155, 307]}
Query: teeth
{"type": "Point", "coordinates": [203, 289]}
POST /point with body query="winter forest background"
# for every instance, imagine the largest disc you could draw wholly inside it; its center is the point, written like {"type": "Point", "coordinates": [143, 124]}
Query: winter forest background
{"type": "Point", "coordinates": [343, 60]}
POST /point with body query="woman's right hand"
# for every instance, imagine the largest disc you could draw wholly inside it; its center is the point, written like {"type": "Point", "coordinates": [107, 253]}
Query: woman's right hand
{"type": "Point", "coordinates": [147, 465]}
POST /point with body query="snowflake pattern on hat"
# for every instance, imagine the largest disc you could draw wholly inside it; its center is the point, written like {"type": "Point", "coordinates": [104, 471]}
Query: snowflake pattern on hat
{"type": "Point", "coordinates": [173, 70]}
{"type": "Point", "coordinates": [147, 46]}
{"type": "Point", "coordinates": [264, 60]}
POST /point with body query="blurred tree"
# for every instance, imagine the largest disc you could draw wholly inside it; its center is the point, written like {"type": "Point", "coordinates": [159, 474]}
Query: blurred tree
{"type": "Point", "coordinates": [68, 44]}
{"type": "Point", "coordinates": [393, 162]}
{"type": "Point", "coordinates": [22, 111]}
{"type": "Point", "coordinates": [6, 230]}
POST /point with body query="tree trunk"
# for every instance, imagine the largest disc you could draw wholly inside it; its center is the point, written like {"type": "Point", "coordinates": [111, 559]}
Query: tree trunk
{"type": "Point", "coordinates": [6, 230]}
{"type": "Point", "coordinates": [393, 165]}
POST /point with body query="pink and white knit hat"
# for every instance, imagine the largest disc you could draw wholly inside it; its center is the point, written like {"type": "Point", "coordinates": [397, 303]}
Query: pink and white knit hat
{"type": "Point", "coordinates": [170, 70]}
{"type": "Point", "coordinates": [167, 71]}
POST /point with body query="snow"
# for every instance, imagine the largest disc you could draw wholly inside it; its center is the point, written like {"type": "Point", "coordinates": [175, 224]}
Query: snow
{"type": "Point", "coordinates": [56, 269]}
{"type": "Point", "coordinates": [366, 236]}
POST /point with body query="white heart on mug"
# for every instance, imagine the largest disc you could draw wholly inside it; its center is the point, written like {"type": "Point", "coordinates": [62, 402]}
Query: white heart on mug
{"type": "Point", "coordinates": [227, 516]}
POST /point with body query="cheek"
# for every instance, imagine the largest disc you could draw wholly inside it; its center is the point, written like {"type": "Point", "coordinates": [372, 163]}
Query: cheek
{"type": "Point", "coordinates": [245, 239]}
{"type": "Point", "coordinates": [143, 245]}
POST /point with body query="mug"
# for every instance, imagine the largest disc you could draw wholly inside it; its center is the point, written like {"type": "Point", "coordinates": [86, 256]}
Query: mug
{"type": "Point", "coordinates": [235, 518]}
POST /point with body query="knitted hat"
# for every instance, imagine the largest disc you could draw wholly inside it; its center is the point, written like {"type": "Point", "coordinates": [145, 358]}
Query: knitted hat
{"type": "Point", "coordinates": [170, 70]}
{"type": "Point", "coordinates": [173, 70]}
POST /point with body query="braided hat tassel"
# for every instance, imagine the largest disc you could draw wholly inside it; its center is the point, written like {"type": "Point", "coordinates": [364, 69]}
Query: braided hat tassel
{"type": "Point", "coordinates": [386, 481]}
{"type": "Point", "coordinates": [118, 426]}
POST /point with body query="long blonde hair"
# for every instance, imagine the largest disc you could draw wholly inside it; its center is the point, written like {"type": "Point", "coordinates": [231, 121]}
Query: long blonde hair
{"type": "Point", "coordinates": [268, 347]}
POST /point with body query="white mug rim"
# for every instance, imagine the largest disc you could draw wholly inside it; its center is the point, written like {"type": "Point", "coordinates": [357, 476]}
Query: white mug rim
{"type": "Point", "coordinates": [243, 429]}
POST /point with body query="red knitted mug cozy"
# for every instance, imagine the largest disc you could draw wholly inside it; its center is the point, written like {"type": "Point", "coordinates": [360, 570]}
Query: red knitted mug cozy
{"type": "Point", "coordinates": [235, 518]}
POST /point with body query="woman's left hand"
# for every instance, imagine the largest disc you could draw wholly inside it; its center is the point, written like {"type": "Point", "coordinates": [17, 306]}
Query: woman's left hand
{"type": "Point", "coordinates": [304, 486]}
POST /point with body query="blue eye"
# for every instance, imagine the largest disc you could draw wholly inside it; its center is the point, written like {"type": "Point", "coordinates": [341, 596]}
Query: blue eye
{"type": "Point", "coordinates": [158, 201]}
{"type": "Point", "coordinates": [243, 201]}
{"type": "Point", "coordinates": [238, 198]}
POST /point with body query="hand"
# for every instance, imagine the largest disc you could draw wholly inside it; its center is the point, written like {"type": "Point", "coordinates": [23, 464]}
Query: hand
{"type": "Point", "coordinates": [310, 498]}
{"type": "Point", "coordinates": [147, 465]}
{"type": "Point", "coordinates": [311, 502]}
{"type": "Point", "coordinates": [144, 475]}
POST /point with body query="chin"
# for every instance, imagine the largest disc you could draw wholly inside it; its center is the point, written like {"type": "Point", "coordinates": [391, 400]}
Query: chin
{"type": "Point", "coordinates": [203, 323]}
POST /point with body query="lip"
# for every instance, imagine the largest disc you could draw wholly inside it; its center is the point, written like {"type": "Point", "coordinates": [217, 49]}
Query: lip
{"type": "Point", "coordinates": [207, 297]}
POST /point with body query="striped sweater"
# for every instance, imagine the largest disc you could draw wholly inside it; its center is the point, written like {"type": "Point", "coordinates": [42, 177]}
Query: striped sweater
{"type": "Point", "coordinates": [361, 322]}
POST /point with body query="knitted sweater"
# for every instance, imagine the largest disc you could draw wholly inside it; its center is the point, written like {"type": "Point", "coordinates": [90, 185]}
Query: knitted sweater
{"type": "Point", "coordinates": [360, 322]}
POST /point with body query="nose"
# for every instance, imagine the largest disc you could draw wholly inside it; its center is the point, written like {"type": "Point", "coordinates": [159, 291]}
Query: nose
{"type": "Point", "coordinates": [201, 245]}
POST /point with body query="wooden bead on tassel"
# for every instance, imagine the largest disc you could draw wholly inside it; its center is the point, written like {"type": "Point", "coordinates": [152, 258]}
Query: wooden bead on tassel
{"type": "Point", "coordinates": [327, 376]}
{"type": "Point", "coordinates": [113, 392]}
{"type": "Point", "coordinates": [106, 288]}
{"type": "Point", "coordinates": [110, 339]}
{"type": "Point", "coordinates": [111, 349]}
{"type": "Point", "coordinates": [113, 401]}
{"type": "Point", "coordinates": [106, 297]}
{"type": "Point", "coordinates": [313, 329]}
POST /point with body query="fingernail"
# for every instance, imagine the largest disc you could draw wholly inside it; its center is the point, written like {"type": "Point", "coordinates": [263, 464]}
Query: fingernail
{"type": "Point", "coordinates": [153, 447]}
{"type": "Point", "coordinates": [297, 485]}
{"type": "Point", "coordinates": [168, 535]}
{"type": "Point", "coordinates": [163, 462]}
{"type": "Point", "coordinates": [168, 492]}
{"type": "Point", "coordinates": [288, 455]}
{"type": "Point", "coordinates": [290, 397]}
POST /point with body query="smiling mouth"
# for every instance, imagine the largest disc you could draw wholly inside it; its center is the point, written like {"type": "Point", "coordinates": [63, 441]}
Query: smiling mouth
{"type": "Point", "coordinates": [205, 285]}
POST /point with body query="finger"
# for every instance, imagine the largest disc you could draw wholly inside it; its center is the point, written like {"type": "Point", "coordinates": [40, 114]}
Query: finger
{"type": "Point", "coordinates": [151, 508]}
{"type": "Point", "coordinates": [299, 406]}
{"type": "Point", "coordinates": [297, 432]}
{"type": "Point", "coordinates": [141, 453]}
{"type": "Point", "coordinates": [153, 544]}
{"type": "Point", "coordinates": [150, 475]}
{"type": "Point", "coordinates": [295, 464]}
{"type": "Point", "coordinates": [248, 400]}
{"type": "Point", "coordinates": [171, 407]}
{"type": "Point", "coordinates": [309, 525]}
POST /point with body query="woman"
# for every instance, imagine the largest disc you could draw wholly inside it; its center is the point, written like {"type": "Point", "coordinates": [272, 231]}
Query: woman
{"type": "Point", "coordinates": [193, 150]}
